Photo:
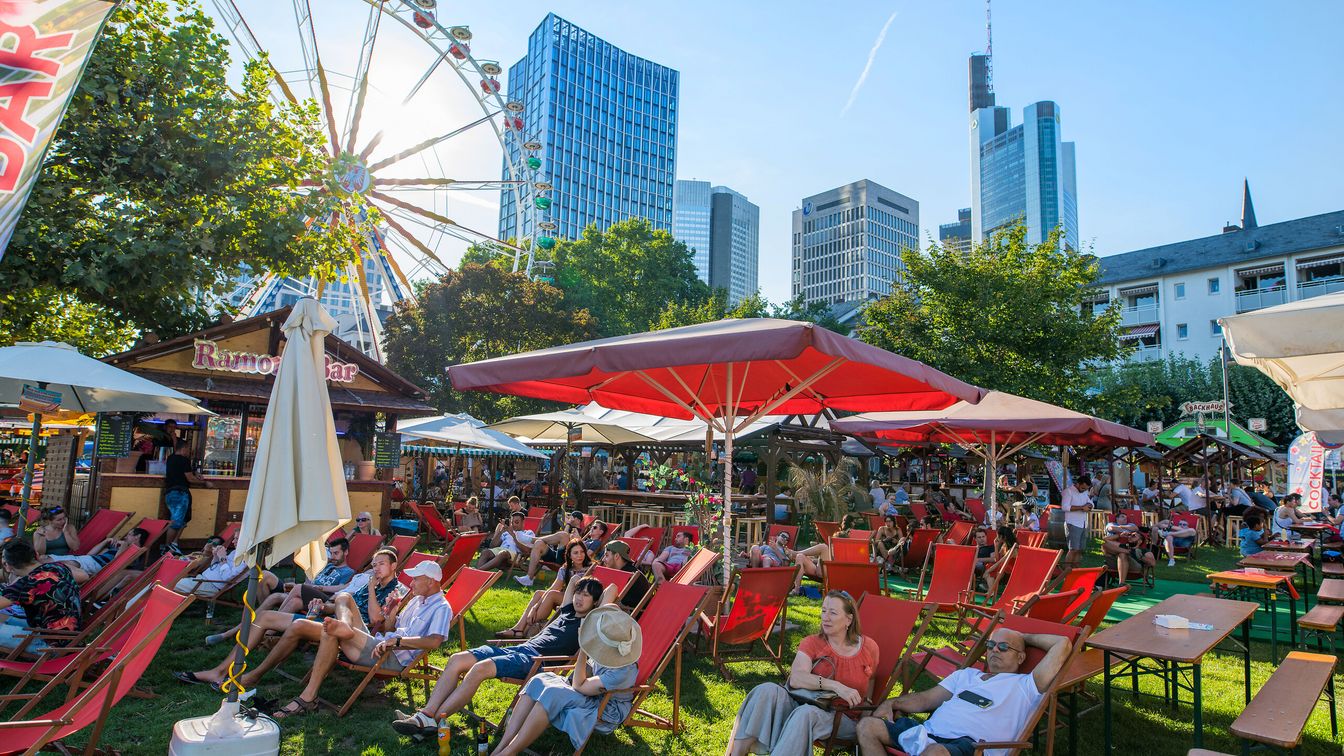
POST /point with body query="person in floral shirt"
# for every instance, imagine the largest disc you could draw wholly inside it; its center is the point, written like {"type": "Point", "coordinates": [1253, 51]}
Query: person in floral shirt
{"type": "Point", "coordinates": [46, 592]}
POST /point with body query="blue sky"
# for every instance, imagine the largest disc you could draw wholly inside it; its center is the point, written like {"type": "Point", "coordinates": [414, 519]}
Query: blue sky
{"type": "Point", "coordinates": [1170, 104]}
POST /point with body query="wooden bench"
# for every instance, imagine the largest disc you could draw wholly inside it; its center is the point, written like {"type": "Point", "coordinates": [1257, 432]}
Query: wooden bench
{"type": "Point", "coordinates": [1332, 569]}
{"type": "Point", "coordinates": [1321, 623]}
{"type": "Point", "coordinates": [1280, 710]}
{"type": "Point", "coordinates": [1331, 592]}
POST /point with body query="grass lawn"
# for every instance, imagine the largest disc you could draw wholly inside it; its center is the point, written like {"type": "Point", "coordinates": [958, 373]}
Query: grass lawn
{"type": "Point", "coordinates": [709, 703]}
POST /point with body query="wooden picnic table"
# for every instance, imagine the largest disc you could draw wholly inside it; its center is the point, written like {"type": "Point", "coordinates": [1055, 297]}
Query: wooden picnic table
{"type": "Point", "coordinates": [1286, 561]}
{"type": "Point", "coordinates": [1314, 530]}
{"type": "Point", "coordinates": [1331, 592]}
{"type": "Point", "coordinates": [1239, 583]}
{"type": "Point", "coordinates": [1301, 547]}
{"type": "Point", "coordinates": [1137, 639]}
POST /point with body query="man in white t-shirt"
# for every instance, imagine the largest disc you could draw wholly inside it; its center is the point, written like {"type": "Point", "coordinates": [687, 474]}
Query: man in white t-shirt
{"type": "Point", "coordinates": [509, 545]}
{"type": "Point", "coordinates": [1076, 502]}
{"type": "Point", "coordinates": [1183, 492]}
{"type": "Point", "coordinates": [969, 706]}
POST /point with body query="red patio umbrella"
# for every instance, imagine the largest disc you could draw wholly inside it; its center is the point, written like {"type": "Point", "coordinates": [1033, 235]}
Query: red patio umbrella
{"type": "Point", "coordinates": [728, 373]}
{"type": "Point", "coordinates": [998, 426]}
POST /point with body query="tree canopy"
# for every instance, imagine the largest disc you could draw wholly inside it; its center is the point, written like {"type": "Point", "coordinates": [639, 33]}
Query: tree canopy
{"type": "Point", "coordinates": [1006, 315]}
{"type": "Point", "coordinates": [161, 182]}
{"type": "Point", "coordinates": [477, 313]}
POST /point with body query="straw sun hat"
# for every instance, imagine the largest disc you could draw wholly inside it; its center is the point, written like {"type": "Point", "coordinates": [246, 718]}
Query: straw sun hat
{"type": "Point", "coordinates": [610, 637]}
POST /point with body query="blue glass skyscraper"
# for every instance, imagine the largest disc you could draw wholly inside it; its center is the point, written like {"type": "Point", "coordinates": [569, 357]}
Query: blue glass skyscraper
{"type": "Point", "coordinates": [606, 121]}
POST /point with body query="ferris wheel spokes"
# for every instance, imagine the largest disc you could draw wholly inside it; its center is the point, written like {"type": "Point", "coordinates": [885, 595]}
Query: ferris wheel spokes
{"type": "Point", "coordinates": [428, 143]}
{"type": "Point", "coordinates": [361, 88]}
{"type": "Point", "coordinates": [251, 48]}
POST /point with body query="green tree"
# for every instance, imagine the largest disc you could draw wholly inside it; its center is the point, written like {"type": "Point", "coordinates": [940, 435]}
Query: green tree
{"type": "Point", "coordinates": [754, 306]}
{"type": "Point", "coordinates": [627, 275]}
{"type": "Point", "coordinates": [473, 314]}
{"type": "Point", "coordinates": [162, 182]}
{"type": "Point", "coordinates": [1006, 315]}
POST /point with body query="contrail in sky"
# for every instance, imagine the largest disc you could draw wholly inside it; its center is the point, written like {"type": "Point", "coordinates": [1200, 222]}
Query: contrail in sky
{"type": "Point", "coordinates": [872, 55]}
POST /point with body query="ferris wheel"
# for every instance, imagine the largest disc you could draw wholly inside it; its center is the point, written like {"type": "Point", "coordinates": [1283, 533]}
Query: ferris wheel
{"type": "Point", "coordinates": [413, 123]}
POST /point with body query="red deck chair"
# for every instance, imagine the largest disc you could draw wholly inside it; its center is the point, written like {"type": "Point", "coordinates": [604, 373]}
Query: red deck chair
{"type": "Point", "coordinates": [825, 530]}
{"type": "Point", "coordinates": [854, 578]}
{"type": "Point", "coordinates": [231, 531]}
{"type": "Point", "coordinates": [414, 558]}
{"type": "Point", "coordinates": [949, 570]}
{"type": "Point", "coordinates": [1077, 637]}
{"type": "Point", "coordinates": [960, 532]}
{"type": "Point", "coordinates": [637, 547]}
{"type": "Point", "coordinates": [1029, 537]}
{"type": "Point", "coordinates": [1051, 607]}
{"type": "Point", "coordinates": [99, 527]}
{"type": "Point", "coordinates": [655, 536]}
{"type": "Point", "coordinates": [1186, 520]}
{"type": "Point", "coordinates": [851, 550]}
{"type": "Point", "coordinates": [429, 515]}
{"type": "Point", "coordinates": [92, 705]}
{"type": "Point", "coordinates": [865, 535]}
{"type": "Point", "coordinates": [943, 512]}
{"type": "Point", "coordinates": [977, 509]}
{"type": "Point", "coordinates": [103, 581]}
{"type": "Point", "coordinates": [1135, 516]}
{"type": "Point", "coordinates": [775, 530]}
{"type": "Point", "coordinates": [695, 570]}
{"type": "Point", "coordinates": [897, 626]}
{"type": "Point", "coordinates": [1080, 577]}
{"type": "Point", "coordinates": [874, 519]}
{"type": "Point", "coordinates": [461, 553]}
{"type": "Point", "coordinates": [693, 530]}
{"type": "Point", "coordinates": [362, 547]}
{"type": "Point", "coordinates": [609, 576]}
{"type": "Point", "coordinates": [34, 512]}
{"type": "Point", "coordinates": [1031, 571]}
{"type": "Point", "coordinates": [403, 545]}
{"type": "Point", "coordinates": [536, 512]}
{"type": "Point", "coordinates": [534, 523]}
{"type": "Point", "coordinates": [918, 509]}
{"type": "Point", "coordinates": [1100, 607]}
{"type": "Point", "coordinates": [760, 603]}
{"type": "Point", "coordinates": [664, 626]}
{"type": "Point", "coordinates": [921, 540]}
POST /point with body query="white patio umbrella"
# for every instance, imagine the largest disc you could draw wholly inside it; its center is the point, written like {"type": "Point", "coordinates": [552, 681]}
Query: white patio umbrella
{"type": "Point", "coordinates": [437, 422]}
{"type": "Point", "coordinates": [1301, 346]}
{"type": "Point", "coordinates": [556, 426]}
{"type": "Point", "coordinates": [465, 434]}
{"type": "Point", "coordinates": [84, 385]}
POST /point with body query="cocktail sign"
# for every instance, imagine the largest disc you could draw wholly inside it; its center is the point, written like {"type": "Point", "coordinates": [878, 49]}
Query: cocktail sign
{"type": "Point", "coordinates": [46, 48]}
{"type": "Point", "coordinates": [210, 356]}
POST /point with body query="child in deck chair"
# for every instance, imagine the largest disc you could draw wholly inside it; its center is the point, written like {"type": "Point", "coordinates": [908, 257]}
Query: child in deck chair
{"type": "Point", "coordinates": [609, 647]}
{"type": "Point", "coordinates": [969, 705]}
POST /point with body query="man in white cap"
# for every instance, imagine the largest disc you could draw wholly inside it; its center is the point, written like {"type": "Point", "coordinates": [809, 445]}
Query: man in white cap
{"type": "Point", "coordinates": [422, 624]}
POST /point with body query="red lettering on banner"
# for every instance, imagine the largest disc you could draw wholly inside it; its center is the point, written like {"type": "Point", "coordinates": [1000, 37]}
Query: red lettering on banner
{"type": "Point", "coordinates": [28, 42]}
{"type": "Point", "coordinates": [13, 113]}
{"type": "Point", "coordinates": [15, 157]}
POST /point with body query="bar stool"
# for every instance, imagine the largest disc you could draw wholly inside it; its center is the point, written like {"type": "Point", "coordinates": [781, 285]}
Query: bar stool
{"type": "Point", "coordinates": [752, 527]}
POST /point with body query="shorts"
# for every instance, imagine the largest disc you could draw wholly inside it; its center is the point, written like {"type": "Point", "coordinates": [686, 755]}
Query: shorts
{"type": "Point", "coordinates": [510, 663]}
{"type": "Point", "coordinates": [179, 507]}
{"type": "Point", "coordinates": [962, 746]}
{"type": "Point", "coordinates": [1183, 542]}
{"type": "Point", "coordinates": [367, 659]}
{"type": "Point", "coordinates": [554, 554]}
{"type": "Point", "coordinates": [1077, 537]}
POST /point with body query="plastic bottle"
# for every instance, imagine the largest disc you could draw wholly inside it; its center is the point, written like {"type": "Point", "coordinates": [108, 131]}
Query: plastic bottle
{"type": "Point", "coordinates": [445, 737]}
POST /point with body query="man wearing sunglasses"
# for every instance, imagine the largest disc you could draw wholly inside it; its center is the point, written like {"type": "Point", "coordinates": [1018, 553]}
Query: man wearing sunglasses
{"type": "Point", "coordinates": [969, 706]}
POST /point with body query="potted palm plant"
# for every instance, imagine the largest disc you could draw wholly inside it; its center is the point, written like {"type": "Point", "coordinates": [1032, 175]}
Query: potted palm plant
{"type": "Point", "coordinates": [824, 492]}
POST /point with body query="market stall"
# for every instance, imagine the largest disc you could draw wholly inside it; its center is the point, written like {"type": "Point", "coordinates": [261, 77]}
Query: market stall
{"type": "Point", "coordinates": [231, 367]}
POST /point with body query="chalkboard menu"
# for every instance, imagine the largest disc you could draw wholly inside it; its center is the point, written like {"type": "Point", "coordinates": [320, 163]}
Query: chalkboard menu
{"type": "Point", "coordinates": [59, 471]}
{"type": "Point", "coordinates": [114, 435]}
{"type": "Point", "coordinates": [386, 450]}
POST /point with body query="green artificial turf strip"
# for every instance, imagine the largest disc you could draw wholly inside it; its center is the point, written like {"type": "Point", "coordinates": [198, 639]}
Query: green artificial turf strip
{"type": "Point", "coordinates": [709, 703]}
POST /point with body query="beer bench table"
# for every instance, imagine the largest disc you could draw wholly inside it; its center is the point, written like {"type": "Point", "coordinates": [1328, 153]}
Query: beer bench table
{"type": "Point", "coordinates": [1286, 561]}
{"type": "Point", "coordinates": [1132, 646]}
{"type": "Point", "coordinates": [1239, 584]}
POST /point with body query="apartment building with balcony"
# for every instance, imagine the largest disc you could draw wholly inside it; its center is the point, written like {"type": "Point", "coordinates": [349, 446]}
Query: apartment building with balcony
{"type": "Point", "coordinates": [1173, 295]}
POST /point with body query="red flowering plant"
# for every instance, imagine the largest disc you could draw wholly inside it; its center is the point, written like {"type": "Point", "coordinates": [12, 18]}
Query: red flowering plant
{"type": "Point", "coordinates": [704, 506]}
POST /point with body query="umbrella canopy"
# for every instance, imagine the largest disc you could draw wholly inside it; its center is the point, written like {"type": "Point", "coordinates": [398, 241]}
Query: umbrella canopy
{"type": "Point", "coordinates": [85, 384]}
{"type": "Point", "coordinates": [728, 373]}
{"type": "Point", "coordinates": [556, 426]}
{"type": "Point", "coordinates": [1004, 418]}
{"type": "Point", "coordinates": [437, 423]}
{"type": "Point", "coordinates": [742, 366]}
{"type": "Point", "coordinates": [298, 494]}
{"type": "Point", "coordinates": [1300, 345]}
{"type": "Point", "coordinates": [466, 434]}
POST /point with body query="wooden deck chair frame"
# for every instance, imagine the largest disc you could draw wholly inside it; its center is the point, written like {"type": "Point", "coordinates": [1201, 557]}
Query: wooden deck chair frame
{"type": "Point", "coordinates": [1086, 578]}
{"type": "Point", "coordinates": [847, 576]}
{"type": "Point", "coordinates": [428, 514]}
{"type": "Point", "coordinates": [825, 530]}
{"type": "Point", "coordinates": [965, 557]}
{"type": "Point", "coordinates": [104, 692]}
{"type": "Point", "coordinates": [851, 549]}
{"type": "Point", "coordinates": [361, 551]}
{"type": "Point", "coordinates": [919, 510]}
{"type": "Point", "coordinates": [461, 553]}
{"type": "Point", "coordinates": [977, 509]}
{"type": "Point", "coordinates": [696, 596]}
{"type": "Point", "coordinates": [697, 568]}
{"type": "Point", "coordinates": [403, 545]}
{"type": "Point", "coordinates": [922, 541]}
{"type": "Point", "coordinates": [959, 532]}
{"type": "Point", "coordinates": [1029, 537]}
{"type": "Point", "coordinates": [1023, 583]}
{"type": "Point", "coordinates": [102, 524]}
{"type": "Point", "coordinates": [787, 576]}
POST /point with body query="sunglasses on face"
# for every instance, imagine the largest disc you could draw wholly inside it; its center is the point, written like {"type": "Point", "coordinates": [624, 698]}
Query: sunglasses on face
{"type": "Point", "coordinates": [1001, 646]}
{"type": "Point", "coordinates": [361, 519]}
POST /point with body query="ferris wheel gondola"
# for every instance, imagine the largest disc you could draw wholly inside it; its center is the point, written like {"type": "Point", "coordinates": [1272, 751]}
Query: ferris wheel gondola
{"type": "Point", "coordinates": [393, 184]}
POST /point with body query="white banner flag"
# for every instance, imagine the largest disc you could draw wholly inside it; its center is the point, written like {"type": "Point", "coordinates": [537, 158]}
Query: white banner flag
{"type": "Point", "coordinates": [1306, 467]}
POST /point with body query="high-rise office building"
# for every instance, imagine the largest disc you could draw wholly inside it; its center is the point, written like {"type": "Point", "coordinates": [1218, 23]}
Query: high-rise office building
{"type": "Point", "coordinates": [957, 235]}
{"type": "Point", "coordinates": [606, 121]}
{"type": "Point", "coordinates": [734, 244]}
{"type": "Point", "coordinates": [1019, 172]}
{"type": "Point", "coordinates": [847, 242]}
{"type": "Point", "coordinates": [691, 208]}
{"type": "Point", "coordinates": [722, 229]}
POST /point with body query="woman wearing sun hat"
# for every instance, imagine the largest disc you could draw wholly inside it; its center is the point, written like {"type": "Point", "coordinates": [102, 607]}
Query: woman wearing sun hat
{"type": "Point", "coordinates": [608, 659]}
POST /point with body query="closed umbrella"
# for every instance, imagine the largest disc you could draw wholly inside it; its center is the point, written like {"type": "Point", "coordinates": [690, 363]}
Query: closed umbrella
{"type": "Point", "coordinates": [80, 384]}
{"type": "Point", "coordinates": [728, 373]}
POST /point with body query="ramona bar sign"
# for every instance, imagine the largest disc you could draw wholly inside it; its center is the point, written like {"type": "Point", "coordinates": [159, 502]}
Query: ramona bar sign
{"type": "Point", "coordinates": [208, 356]}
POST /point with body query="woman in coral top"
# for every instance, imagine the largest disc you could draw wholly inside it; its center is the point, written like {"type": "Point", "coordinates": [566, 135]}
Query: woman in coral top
{"type": "Point", "coordinates": [838, 661]}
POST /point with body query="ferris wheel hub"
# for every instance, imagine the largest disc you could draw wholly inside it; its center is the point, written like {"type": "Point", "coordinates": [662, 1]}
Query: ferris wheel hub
{"type": "Point", "coordinates": [350, 175]}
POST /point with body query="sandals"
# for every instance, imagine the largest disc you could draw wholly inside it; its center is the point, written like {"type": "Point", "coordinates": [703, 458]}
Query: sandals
{"type": "Point", "coordinates": [190, 678]}
{"type": "Point", "coordinates": [513, 634]}
{"type": "Point", "coordinates": [297, 707]}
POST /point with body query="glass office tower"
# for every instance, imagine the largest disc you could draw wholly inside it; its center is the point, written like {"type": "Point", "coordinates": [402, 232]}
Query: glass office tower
{"type": "Point", "coordinates": [691, 210]}
{"type": "Point", "coordinates": [607, 124]}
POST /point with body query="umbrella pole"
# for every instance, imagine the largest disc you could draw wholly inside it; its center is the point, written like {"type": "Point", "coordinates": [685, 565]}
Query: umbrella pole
{"type": "Point", "coordinates": [22, 525]}
{"type": "Point", "coordinates": [239, 663]}
{"type": "Point", "coordinates": [992, 475]}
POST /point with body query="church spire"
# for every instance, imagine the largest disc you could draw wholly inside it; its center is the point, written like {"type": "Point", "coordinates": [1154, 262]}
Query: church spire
{"type": "Point", "coordinates": [1247, 209]}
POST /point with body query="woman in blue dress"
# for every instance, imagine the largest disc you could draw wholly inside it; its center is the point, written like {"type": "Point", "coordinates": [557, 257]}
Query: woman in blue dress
{"type": "Point", "coordinates": [608, 660]}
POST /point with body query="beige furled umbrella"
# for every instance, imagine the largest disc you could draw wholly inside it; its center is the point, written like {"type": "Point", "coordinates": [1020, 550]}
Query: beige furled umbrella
{"type": "Point", "coordinates": [297, 496]}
